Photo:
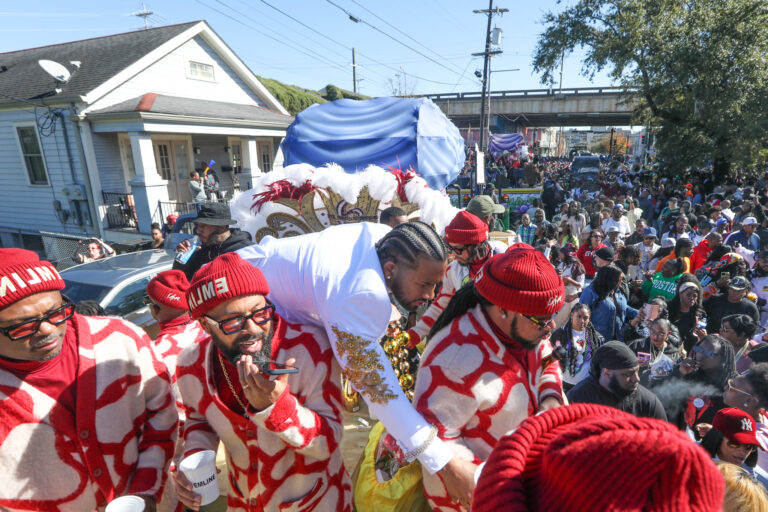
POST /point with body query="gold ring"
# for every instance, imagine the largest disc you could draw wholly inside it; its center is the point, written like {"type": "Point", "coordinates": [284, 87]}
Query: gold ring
{"type": "Point", "coordinates": [245, 386]}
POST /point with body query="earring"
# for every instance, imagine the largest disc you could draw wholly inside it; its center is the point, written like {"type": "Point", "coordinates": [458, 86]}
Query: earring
{"type": "Point", "coordinates": [746, 404]}
{"type": "Point", "coordinates": [503, 314]}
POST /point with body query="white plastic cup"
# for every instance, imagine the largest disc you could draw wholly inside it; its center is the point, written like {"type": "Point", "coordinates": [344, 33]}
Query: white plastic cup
{"type": "Point", "coordinates": [126, 504]}
{"type": "Point", "coordinates": [200, 470]}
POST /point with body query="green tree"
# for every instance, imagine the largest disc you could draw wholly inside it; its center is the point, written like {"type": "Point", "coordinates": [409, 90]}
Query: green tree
{"type": "Point", "coordinates": [697, 68]}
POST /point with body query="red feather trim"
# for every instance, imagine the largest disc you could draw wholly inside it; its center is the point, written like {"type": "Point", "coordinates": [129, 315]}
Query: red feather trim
{"type": "Point", "coordinates": [402, 179]}
{"type": "Point", "coordinates": [282, 189]}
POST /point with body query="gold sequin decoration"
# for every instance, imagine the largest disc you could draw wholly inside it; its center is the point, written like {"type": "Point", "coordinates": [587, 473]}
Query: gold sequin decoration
{"type": "Point", "coordinates": [363, 367]}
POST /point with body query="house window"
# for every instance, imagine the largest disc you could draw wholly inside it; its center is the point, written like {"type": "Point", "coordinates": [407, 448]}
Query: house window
{"type": "Point", "coordinates": [164, 161]}
{"type": "Point", "coordinates": [201, 71]}
{"type": "Point", "coordinates": [126, 155]}
{"type": "Point", "coordinates": [33, 157]}
{"type": "Point", "coordinates": [265, 156]}
{"type": "Point", "coordinates": [237, 157]}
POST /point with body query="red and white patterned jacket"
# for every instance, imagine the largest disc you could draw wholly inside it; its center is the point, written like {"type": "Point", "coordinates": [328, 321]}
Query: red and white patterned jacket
{"type": "Point", "coordinates": [174, 336]}
{"type": "Point", "coordinates": [476, 390]}
{"type": "Point", "coordinates": [120, 442]}
{"type": "Point", "coordinates": [286, 457]}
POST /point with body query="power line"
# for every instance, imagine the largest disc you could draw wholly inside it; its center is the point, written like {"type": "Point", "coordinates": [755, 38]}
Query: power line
{"type": "Point", "coordinates": [377, 29]}
{"type": "Point", "coordinates": [297, 47]}
{"type": "Point", "coordinates": [325, 36]}
{"type": "Point", "coordinates": [397, 29]}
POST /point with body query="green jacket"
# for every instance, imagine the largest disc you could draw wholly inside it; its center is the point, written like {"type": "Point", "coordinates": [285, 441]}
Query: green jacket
{"type": "Point", "coordinates": [660, 285]}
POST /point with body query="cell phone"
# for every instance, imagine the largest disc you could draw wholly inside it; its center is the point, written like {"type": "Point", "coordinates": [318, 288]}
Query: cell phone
{"type": "Point", "coordinates": [275, 368]}
{"type": "Point", "coordinates": [644, 358]}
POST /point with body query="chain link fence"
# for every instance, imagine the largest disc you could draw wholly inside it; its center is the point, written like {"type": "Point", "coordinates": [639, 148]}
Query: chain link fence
{"type": "Point", "coordinates": [60, 247]}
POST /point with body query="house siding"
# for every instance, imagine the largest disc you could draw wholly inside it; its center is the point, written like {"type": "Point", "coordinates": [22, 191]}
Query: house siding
{"type": "Point", "coordinates": [170, 76]}
{"type": "Point", "coordinates": [107, 150]}
{"type": "Point", "coordinates": [29, 208]}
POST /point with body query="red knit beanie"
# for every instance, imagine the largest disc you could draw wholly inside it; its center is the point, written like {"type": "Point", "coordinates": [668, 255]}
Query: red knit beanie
{"type": "Point", "coordinates": [587, 457]}
{"type": "Point", "coordinates": [169, 288]}
{"type": "Point", "coordinates": [521, 280]}
{"type": "Point", "coordinates": [466, 229]}
{"type": "Point", "coordinates": [23, 273]}
{"type": "Point", "coordinates": [226, 277]}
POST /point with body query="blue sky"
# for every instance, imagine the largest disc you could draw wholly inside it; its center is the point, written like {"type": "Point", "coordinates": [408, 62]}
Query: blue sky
{"type": "Point", "coordinates": [275, 46]}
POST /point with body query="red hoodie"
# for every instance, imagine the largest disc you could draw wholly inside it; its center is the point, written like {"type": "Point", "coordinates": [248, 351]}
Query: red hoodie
{"type": "Point", "coordinates": [700, 254]}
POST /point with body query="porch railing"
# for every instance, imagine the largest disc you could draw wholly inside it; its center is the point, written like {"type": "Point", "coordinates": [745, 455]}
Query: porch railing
{"type": "Point", "coordinates": [120, 210]}
{"type": "Point", "coordinates": [166, 208]}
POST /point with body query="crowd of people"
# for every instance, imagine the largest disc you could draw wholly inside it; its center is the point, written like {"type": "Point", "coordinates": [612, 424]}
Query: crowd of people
{"type": "Point", "coordinates": [630, 314]}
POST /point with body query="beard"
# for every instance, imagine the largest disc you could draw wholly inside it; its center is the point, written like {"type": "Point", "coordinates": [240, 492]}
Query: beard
{"type": "Point", "coordinates": [45, 341]}
{"type": "Point", "coordinates": [233, 353]}
{"type": "Point", "coordinates": [515, 335]}
{"type": "Point", "coordinates": [616, 388]}
{"type": "Point", "coordinates": [399, 297]}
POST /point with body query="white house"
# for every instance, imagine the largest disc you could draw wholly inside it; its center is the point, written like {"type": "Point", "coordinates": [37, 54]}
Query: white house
{"type": "Point", "coordinates": [109, 151]}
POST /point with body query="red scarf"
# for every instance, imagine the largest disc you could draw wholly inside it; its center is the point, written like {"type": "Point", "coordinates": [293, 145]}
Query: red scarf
{"type": "Point", "coordinates": [475, 266]}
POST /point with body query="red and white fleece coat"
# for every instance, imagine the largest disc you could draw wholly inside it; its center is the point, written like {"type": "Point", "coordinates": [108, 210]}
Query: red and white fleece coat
{"type": "Point", "coordinates": [174, 336]}
{"type": "Point", "coordinates": [120, 441]}
{"type": "Point", "coordinates": [476, 390]}
{"type": "Point", "coordinates": [288, 456]}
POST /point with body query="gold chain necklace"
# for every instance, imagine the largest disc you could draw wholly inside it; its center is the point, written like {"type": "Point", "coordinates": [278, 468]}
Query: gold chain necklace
{"type": "Point", "coordinates": [231, 388]}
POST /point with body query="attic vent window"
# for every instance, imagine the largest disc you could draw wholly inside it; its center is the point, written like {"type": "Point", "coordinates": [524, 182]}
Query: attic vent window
{"type": "Point", "coordinates": [201, 71]}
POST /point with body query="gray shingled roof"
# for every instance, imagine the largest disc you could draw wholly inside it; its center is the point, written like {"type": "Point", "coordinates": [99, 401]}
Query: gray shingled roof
{"type": "Point", "coordinates": [101, 58]}
{"type": "Point", "coordinates": [174, 105]}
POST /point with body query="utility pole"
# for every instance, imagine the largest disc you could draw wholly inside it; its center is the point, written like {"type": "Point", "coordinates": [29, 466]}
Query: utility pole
{"type": "Point", "coordinates": [143, 13]}
{"type": "Point", "coordinates": [487, 67]}
{"type": "Point", "coordinates": [610, 144]}
{"type": "Point", "coordinates": [354, 72]}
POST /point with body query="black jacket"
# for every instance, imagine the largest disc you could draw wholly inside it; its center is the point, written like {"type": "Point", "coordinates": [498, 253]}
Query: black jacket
{"type": "Point", "coordinates": [237, 240]}
{"type": "Point", "coordinates": [640, 403]}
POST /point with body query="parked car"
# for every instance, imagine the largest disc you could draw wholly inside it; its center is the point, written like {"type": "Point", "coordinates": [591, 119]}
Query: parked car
{"type": "Point", "coordinates": [118, 284]}
{"type": "Point", "coordinates": [183, 229]}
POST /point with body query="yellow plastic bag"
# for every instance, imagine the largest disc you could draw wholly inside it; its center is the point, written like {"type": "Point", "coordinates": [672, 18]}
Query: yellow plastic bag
{"type": "Point", "coordinates": [403, 493]}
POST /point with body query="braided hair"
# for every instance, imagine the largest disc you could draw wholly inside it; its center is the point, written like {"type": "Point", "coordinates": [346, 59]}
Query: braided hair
{"type": "Point", "coordinates": [728, 364]}
{"type": "Point", "coordinates": [592, 338]}
{"type": "Point", "coordinates": [409, 241]}
{"type": "Point", "coordinates": [465, 298]}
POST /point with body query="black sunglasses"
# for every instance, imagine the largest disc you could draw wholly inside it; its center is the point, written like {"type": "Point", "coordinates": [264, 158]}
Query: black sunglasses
{"type": "Point", "coordinates": [30, 327]}
{"type": "Point", "coordinates": [459, 250]}
{"type": "Point", "coordinates": [236, 323]}
{"type": "Point", "coordinates": [541, 324]}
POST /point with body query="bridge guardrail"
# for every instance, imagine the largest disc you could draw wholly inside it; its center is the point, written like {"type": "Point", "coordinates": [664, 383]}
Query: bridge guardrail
{"type": "Point", "coordinates": [529, 92]}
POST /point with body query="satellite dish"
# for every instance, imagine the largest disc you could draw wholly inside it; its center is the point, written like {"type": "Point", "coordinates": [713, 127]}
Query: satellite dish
{"type": "Point", "coordinates": [56, 70]}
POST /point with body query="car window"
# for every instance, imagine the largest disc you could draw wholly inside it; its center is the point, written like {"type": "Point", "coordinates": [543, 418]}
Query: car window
{"type": "Point", "coordinates": [129, 299]}
{"type": "Point", "coordinates": [81, 291]}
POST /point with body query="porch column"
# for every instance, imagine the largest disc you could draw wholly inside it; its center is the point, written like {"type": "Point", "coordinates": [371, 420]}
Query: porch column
{"type": "Point", "coordinates": [147, 186]}
{"type": "Point", "coordinates": [251, 170]}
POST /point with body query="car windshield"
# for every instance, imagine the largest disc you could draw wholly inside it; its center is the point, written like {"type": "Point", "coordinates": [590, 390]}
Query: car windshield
{"type": "Point", "coordinates": [82, 291]}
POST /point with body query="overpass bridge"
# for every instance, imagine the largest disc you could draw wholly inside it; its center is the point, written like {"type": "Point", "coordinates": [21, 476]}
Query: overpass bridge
{"type": "Point", "coordinates": [583, 106]}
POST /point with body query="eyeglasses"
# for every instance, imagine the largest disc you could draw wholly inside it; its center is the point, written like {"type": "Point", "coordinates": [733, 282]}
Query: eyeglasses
{"type": "Point", "coordinates": [736, 446]}
{"type": "Point", "coordinates": [706, 352]}
{"type": "Point", "coordinates": [541, 324]}
{"type": "Point", "coordinates": [149, 302]}
{"type": "Point", "coordinates": [30, 327]}
{"type": "Point", "coordinates": [458, 250]}
{"type": "Point", "coordinates": [596, 236]}
{"type": "Point", "coordinates": [237, 323]}
{"type": "Point", "coordinates": [658, 333]}
{"type": "Point", "coordinates": [732, 388]}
